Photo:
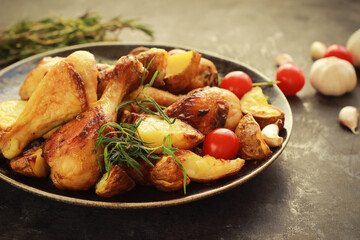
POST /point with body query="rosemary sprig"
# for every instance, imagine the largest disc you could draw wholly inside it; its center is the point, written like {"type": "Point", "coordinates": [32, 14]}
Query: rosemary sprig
{"type": "Point", "coordinates": [125, 146]}
{"type": "Point", "coordinates": [26, 38]}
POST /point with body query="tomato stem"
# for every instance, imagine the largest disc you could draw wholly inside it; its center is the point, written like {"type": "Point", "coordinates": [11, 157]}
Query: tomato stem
{"type": "Point", "coordinates": [265, 83]}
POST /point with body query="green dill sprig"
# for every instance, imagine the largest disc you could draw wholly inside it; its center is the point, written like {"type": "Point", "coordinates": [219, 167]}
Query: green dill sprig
{"type": "Point", "coordinates": [26, 38]}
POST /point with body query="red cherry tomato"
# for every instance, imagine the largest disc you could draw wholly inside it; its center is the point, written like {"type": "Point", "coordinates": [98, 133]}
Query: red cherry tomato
{"type": "Point", "coordinates": [175, 51]}
{"type": "Point", "coordinates": [291, 78]}
{"type": "Point", "coordinates": [237, 82]}
{"type": "Point", "coordinates": [339, 51]}
{"type": "Point", "coordinates": [221, 143]}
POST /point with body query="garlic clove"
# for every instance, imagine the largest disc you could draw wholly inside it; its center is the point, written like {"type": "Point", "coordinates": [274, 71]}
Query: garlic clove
{"type": "Point", "coordinates": [317, 50]}
{"type": "Point", "coordinates": [348, 116]}
{"type": "Point", "coordinates": [283, 59]}
{"type": "Point", "coordinates": [270, 134]}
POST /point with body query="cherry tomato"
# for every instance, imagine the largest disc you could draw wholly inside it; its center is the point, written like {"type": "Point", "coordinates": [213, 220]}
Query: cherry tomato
{"type": "Point", "coordinates": [237, 82]}
{"type": "Point", "coordinates": [175, 51]}
{"type": "Point", "coordinates": [339, 51]}
{"type": "Point", "coordinates": [291, 78]}
{"type": "Point", "coordinates": [221, 143]}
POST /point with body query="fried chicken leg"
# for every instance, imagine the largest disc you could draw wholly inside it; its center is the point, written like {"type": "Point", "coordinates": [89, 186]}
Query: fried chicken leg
{"type": "Point", "coordinates": [67, 89]}
{"type": "Point", "coordinates": [70, 151]}
{"type": "Point", "coordinates": [207, 109]}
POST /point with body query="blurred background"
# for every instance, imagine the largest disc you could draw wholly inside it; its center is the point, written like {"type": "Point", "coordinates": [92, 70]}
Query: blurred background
{"type": "Point", "coordinates": [312, 191]}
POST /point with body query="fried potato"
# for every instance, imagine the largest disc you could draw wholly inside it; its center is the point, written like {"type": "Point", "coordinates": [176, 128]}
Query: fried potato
{"type": "Point", "coordinates": [251, 144]}
{"type": "Point", "coordinates": [167, 175]}
{"type": "Point", "coordinates": [34, 77]}
{"type": "Point", "coordinates": [10, 111]}
{"type": "Point", "coordinates": [207, 168]}
{"type": "Point", "coordinates": [114, 183]}
{"type": "Point", "coordinates": [155, 60]}
{"type": "Point", "coordinates": [144, 177]}
{"type": "Point", "coordinates": [180, 71]}
{"type": "Point", "coordinates": [207, 75]}
{"type": "Point", "coordinates": [153, 129]}
{"type": "Point", "coordinates": [31, 164]}
{"type": "Point", "coordinates": [255, 103]}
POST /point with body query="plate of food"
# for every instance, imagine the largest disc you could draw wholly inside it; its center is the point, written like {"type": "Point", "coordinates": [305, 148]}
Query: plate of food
{"type": "Point", "coordinates": [116, 125]}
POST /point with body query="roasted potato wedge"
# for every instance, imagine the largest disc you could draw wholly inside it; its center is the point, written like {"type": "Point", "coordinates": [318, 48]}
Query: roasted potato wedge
{"type": "Point", "coordinates": [34, 77]}
{"type": "Point", "coordinates": [180, 71]}
{"type": "Point", "coordinates": [207, 75]}
{"type": "Point", "coordinates": [167, 175]}
{"type": "Point", "coordinates": [10, 111]}
{"type": "Point", "coordinates": [255, 103]}
{"type": "Point", "coordinates": [207, 168]}
{"type": "Point", "coordinates": [114, 183]}
{"type": "Point", "coordinates": [153, 130]}
{"type": "Point", "coordinates": [251, 144]}
{"type": "Point", "coordinates": [144, 177]}
{"type": "Point", "coordinates": [31, 164]}
{"type": "Point", "coordinates": [154, 60]}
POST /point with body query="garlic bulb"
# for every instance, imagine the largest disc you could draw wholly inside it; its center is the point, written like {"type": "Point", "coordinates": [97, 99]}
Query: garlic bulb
{"type": "Point", "coordinates": [333, 76]}
{"type": "Point", "coordinates": [283, 58]}
{"type": "Point", "coordinates": [353, 45]}
{"type": "Point", "coordinates": [317, 50]}
{"type": "Point", "coordinates": [348, 116]}
{"type": "Point", "coordinates": [270, 134]}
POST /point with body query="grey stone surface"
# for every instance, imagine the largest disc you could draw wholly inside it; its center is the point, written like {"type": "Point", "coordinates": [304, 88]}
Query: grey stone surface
{"type": "Point", "coordinates": [312, 191]}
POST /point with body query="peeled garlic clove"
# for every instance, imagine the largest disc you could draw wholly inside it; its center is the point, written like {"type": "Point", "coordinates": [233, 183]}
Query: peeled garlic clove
{"type": "Point", "coordinates": [317, 50]}
{"type": "Point", "coordinates": [270, 134]}
{"type": "Point", "coordinates": [283, 59]}
{"type": "Point", "coordinates": [348, 116]}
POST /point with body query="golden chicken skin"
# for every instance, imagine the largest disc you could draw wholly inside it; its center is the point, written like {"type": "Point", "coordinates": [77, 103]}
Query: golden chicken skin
{"type": "Point", "coordinates": [67, 89]}
{"type": "Point", "coordinates": [207, 109]}
{"type": "Point", "coordinates": [70, 151]}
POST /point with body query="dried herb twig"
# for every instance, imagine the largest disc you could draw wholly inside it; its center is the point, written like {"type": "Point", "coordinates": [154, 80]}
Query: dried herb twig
{"type": "Point", "coordinates": [26, 38]}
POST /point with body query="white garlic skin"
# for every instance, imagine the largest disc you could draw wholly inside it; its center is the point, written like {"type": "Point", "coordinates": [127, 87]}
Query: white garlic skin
{"type": "Point", "coordinates": [353, 45]}
{"type": "Point", "coordinates": [317, 50]}
{"type": "Point", "coordinates": [282, 59]}
{"type": "Point", "coordinates": [348, 116]}
{"type": "Point", "coordinates": [333, 76]}
{"type": "Point", "coordinates": [270, 134]}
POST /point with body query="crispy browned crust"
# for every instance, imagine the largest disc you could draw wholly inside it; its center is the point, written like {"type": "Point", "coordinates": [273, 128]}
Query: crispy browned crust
{"type": "Point", "coordinates": [154, 60]}
{"type": "Point", "coordinates": [251, 145]}
{"type": "Point", "coordinates": [167, 175]}
{"type": "Point", "coordinates": [118, 182]}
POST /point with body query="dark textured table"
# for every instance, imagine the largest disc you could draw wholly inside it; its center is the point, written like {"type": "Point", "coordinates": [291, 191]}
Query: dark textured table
{"type": "Point", "coordinates": [312, 191]}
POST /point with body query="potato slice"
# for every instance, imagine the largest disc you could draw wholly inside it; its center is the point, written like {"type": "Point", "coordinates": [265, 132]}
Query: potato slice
{"type": "Point", "coordinates": [144, 177]}
{"type": "Point", "coordinates": [10, 111]}
{"type": "Point", "coordinates": [255, 103]}
{"type": "Point", "coordinates": [116, 183]}
{"type": "Point", "coordinates": [207, 168]}
{"type": "Point", "coordinates": [180, 71]}
{"type": "Point", "coordinates": [167, 175]}
{"type": "Point", "coordinates": [31, 164]}
{"type": "Point", "coordinates": [252, 145]}
{"type": "Point", "coordinates": [207, 76]}
{"type": "Point", "coordinates": [153, 129]}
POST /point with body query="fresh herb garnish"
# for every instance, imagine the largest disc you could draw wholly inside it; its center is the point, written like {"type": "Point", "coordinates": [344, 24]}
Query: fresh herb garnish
{"type": "Point", "coordinates": [26, 38]}
{"type": "Point", "coordinates": [125, 146]}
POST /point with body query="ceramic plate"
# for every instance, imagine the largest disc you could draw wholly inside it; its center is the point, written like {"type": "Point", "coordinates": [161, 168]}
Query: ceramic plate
{"type": "Point", "coordinates": [140, 197]}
